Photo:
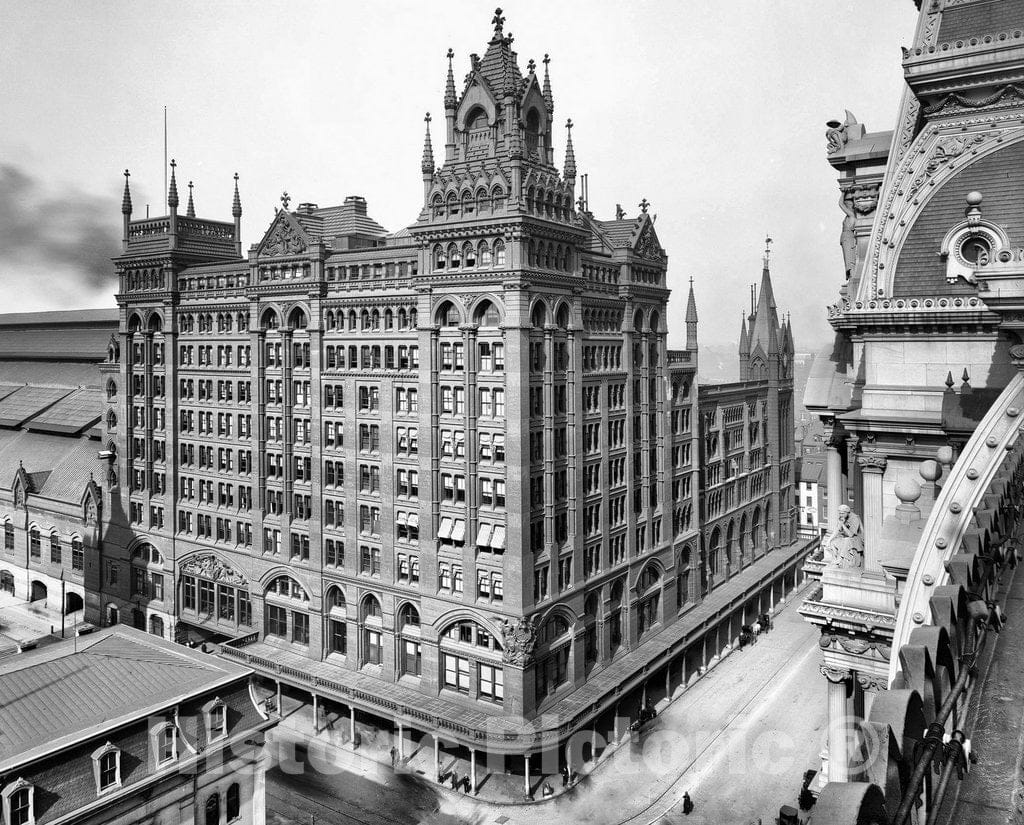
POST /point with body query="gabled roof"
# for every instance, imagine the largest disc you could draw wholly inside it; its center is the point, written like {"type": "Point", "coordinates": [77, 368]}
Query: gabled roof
{"type": "Point", "coordinates": [58, 467]}
{"type": "Point", "coordinates": [499, 68]}
{"type": "Point", "coordinates": [73, 690]}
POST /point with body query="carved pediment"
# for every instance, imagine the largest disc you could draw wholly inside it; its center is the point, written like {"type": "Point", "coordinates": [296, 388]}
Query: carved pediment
{"type": "Point", "coordinates": [208, 566]}
{"type": "Point", "coordinates": [285, 237]}
{"type": "Point", "coordinates": [647, 244]}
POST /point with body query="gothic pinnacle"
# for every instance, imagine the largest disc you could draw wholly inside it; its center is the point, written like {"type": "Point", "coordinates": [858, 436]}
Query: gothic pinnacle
{"type": "Point", "coordinates": [427, 164]}
{"type": "Point", "coordinates": [126, 201]}
{"type": "Point", "coordinates": [190, 211]}
{"type": "Point", "coordinates": [449, 89]}
{"type": "Point", "coordinates": [549, 101]}
{"type": "Point", "coordinates": [236, 204]}
{"type": "Point", "coordinates": [570, 155]}
{"type": "Point", "coordinates": [172, 192]}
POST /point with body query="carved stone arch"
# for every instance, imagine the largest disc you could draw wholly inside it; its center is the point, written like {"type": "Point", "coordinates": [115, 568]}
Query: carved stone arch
{"type": "Point", "coordinates": [442, 305]}
{"type": "Point", "coordinates": [91, 503]}
{"type": "Point", "coordinates": [277, 571]}
{"type": "Point", "coordinates": [484, 300]}
{"type": "Point", "coordinates": [294, 321]}
{"type": "Point", "coordinates": [136, 323]}
{"type": "Point", "coordinates": [113, 350]}
{"type": "Point", "coordinates": [563, 313]}
{"type": "Point", "coordinates": [562, 610]}
{"type": "Point", "coordinates": [641, 584]}
{"type": "Point", "coordinates": [271, 317]}
{"type": "Point", "coordinates": [476, 97]}
{"type": "Point", "coordinates": [329, 591]}
{"type": "Point", "coordinates": [462, 614]}
{"type": "Point", "coordinates": [154, 321]}
{"type": "Point", "coordinates": [539, 312]}
{"type": "Point", "coordinates": [139, 542]}
{"type": "Point", "coordinates": [654, 320]}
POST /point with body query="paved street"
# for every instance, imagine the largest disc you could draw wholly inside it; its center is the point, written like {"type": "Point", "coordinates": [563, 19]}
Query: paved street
{"type": "Point", "coordinates": [739, 741]}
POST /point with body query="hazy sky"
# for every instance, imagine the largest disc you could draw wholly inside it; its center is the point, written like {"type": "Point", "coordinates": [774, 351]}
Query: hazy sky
{"type": "Point", "coordinates": [713, 111]}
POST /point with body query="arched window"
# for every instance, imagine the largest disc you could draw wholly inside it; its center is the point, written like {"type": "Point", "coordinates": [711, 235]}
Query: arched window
{"type": "Point", "coordinates": [156, 626]}
{"type": "Point", "coordinates": [371, 609]}
{"type": "Point", "coordinates": [448, 315]}
{"type": "Point", "coordinates": [499, 252]}
{"type": "Point", "coordinates": [352, 320]}
{"type": "Point", "coordinates": [111, 420]}
{"type": "Point", "coordinates": [487, 314]}
{"type": "Point", "coordinates": [539, 316]}
{"type": "Point", "coordinates": [111, 390]}
{"type": "Point", "coordinates": [20, 803]}
{"type": "Point", "coordinates": [563, 317]}
{"type": "Point", "coordinates": [34, 543]}
{"type": "Point", "coordinates": [213, 810]}
{"type": "Point", "coordinates": [364, 319]}
{"type": "Point", "coordinates": [465, 642]}
{"type": "Point", "coordinates": [454, 256]}
{"type": "Point", "coordinates": [233, 806]}
{"type": "Point", "coordinates": [683, 577]}
{"type": "Point", "coordinates": [469, 254]}
{"type": "Point", "coordinates": [439, 259]}
{"type": "Point", "coordinates": [375, 319]}
{"type": "Point", "coordinates": [286, 587]}
{"type": "Point", "coordinates": [337, 627]}
{"type": "Point", "coordinates": [648, 579]}
{"type": "Point", "coordinates": [554, 628]}
{"type": "Point", "coordinates": [270, 321]}
{"type": "Point", "coordinates": [408, 615]}
{"type": "Point", "coordinates": [484, 254]}
{"type": "Point", "coordinates": [371, 638]}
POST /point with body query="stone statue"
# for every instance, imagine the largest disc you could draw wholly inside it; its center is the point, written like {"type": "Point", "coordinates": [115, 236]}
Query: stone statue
{"type": "Point", "coordinates": [837, 134]}
{"type": "Point", "coordinates": [844, 545]}
{"type": "Point", "coordinates": [847, 239]}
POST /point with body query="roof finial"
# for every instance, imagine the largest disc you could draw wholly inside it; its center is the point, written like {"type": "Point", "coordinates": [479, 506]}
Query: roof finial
{"type": "Point", "coordinates": [191, 209]}
{"type": "Point", "coordinates": [767, 250]}
{"type": "Point", "coordinates": [570, 155]}
{"type": "Point", "coordinates": [449, 86]}
{"type": "Point", "coordinates": [427, 164]}
{"type": "Point", "coordinates": [498, 22]}
{"type": "Point", "coordinates": [531, 65]}
{"type": "Point", "coordinates": [285, 197]}
{"type": "Point", "coordinates": [643, 205]}
{"type": "Point", "coordinates": [172, 192]}
{"type": "Point", "coordinates": [126, 201]}
{"type": "Point", "coordinates": [549, 101]}
{"type": "Point", "coordinates": [236, 204]}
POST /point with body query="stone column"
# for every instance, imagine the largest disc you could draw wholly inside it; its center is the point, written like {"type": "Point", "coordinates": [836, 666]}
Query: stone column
{"type": "Point", "coordinates": [834, 479]}
{"type": "Point", "coordinates": [872, 467]}
{"type": "Point", "coordinates": [838, 723]}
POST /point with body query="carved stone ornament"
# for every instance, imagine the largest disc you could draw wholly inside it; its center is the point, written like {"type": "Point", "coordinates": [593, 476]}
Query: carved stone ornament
{"type": "Point", "coordinates": [519, 638]}
{"type": "Point", "coordinates": [647, 245]}
{"type": "Point", "coordinates": [946, 151]}
{"type": "Point", "coordinates": [872, 462]}
{"type": "Point", "coordinates": [283, 240]}
{"type": "Point", "coordinates": [869, 682]}
{"type": "Point", "coordinates": [835, 674]}
{"type": "Point", "coordinates": [843, 545]}
{"type": "Point", "coordinates": [207, 566]}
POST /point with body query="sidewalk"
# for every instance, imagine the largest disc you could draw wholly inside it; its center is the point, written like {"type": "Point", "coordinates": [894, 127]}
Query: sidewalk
{"type": "Point", "coordinates": [759, 695]}
{"type": "Point", "coordinates": [28, 622]}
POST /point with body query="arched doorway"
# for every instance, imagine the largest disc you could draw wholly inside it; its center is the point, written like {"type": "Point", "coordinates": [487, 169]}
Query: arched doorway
{"type": "Point", "coordinates": [113, 614]}
{"type": "Point", "coordinates": [156, 626]}
{"type": "Point", "coordinates": [38, 591]}
{"type": "Point", "coordinates": [73, 603]}
{"type": "Point", "coordinates": [6, 582]}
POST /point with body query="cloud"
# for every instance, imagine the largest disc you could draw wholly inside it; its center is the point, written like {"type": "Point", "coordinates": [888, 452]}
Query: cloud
{"type": "Point", "coordinates": [73, 233]}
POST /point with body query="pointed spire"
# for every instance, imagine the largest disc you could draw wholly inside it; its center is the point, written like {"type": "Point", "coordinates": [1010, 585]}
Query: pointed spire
{"type": "Point", "coordinates": [691, 320]}
{"type": "Point", "coordinates": [427, 164]}
{"type": "Point", "coordinates": [744, 338]}
{"type": "Point", "coordinates": [190, 211]}
{"type": "Point", "coordinates": [449, 88]}
{"type": "Point", "coordinates": [549, 101]}
{"type": "Point", "coordinates": [570, 154]}
{"type": "Point", "coordinates": [172, 192]}
{"type": "Point", "coordinates": [126, 200]}
{"type": "Point", "coordinates": [236, 204]}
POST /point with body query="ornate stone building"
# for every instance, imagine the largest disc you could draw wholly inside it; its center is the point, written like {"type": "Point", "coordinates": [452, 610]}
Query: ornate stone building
{"type": "Point", "coordinates": [921, 394]}
{"type": "Point", "coordinates": [446, 477]}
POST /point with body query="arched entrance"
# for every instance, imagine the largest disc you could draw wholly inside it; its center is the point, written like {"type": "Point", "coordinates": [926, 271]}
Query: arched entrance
{"type": "Point", "coordinates": [6, 582]}
{"type": "Point", "coordinates": [113, 614]}
{"type": "Point", "coordinates": [72, 603]}
{"type": "Point", "coordinates": [38, 591]}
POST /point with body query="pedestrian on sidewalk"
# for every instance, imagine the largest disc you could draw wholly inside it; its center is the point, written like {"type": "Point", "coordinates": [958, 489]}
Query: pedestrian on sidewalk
{"type": "Point", "coordinates": [757, 630]}
{"type": "Point", "coordinates": [565, 777]}
{"type": "Point", "coordinates": [394, 755]}
{"type": "Point", "coordinates": [687, 803]}
{"type": "Point", "coordinates": [455, 780]}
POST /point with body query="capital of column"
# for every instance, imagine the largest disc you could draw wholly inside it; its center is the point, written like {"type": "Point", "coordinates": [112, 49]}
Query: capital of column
{"type": "Point", "coordinates": [868, 681]}
{"type": "Point", "coordinates": [872, 462]}
{"type": "Point", "coordinates": [836, 675]}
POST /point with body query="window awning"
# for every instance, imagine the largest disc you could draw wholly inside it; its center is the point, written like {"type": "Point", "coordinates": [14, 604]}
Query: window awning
{"type": "Point", "coordinates": [414, 520]}
{"type": "Point", "coordinates": [459, 533]}
{"type": "Point", "coordinates": [498, 538]}
{"type": "Point", "coordinates": [444, 531]}
{"type": "Point", "coordinates": [483, 535]}
{"type": "Point", "coordinates": [402, 519]}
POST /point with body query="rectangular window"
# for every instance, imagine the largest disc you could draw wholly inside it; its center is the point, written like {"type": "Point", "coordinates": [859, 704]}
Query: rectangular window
{"type": "Point", "coordinates": [338, 638]}
{"type": "Point", "coordinates": [456, 673]}
{"type": "Point", "coordinates": [492, 682]}
{"type": "Point", "coordinates": [371, 640]}
{"type": "Point", "coordinates": [277, 621]}
{"type": "Point", "coordinates": [300, 628]}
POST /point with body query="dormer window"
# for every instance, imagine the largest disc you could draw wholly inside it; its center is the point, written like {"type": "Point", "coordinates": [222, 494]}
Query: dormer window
{"type": "Point", "coordinates": [19, 803]}
{"type": "Point", "coordinates": [216, 719]}
{"type": "Point", "coordinates": [107, 768]}
{"type": "Point", "coordinates": [165, 743]}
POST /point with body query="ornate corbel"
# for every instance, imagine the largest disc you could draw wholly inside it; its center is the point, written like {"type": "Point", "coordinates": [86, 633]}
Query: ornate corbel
{"type": "Point", "coordinates": [836, 675]}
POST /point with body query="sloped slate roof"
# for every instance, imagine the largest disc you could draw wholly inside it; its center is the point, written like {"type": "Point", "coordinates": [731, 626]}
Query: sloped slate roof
{"type": "Point", "coordinates": [27, 402]}
{"type": "Point", "coordinates": [343, 220]}
{"type": "Point", "coordinates": [67, 461]}
{"type": "Point", "coordinates": [619, 232]}
{"type": "Point", "coordinates": [499, 68]}
{"type": "Point", "coordinates": [72, 414]}
{"type": "Point", "coordinates": [55, 695]}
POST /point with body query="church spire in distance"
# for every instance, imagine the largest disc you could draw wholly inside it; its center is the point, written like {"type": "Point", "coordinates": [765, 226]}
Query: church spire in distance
{"type": "Point", "coordinates": [549, 100]}
{"type": "Point", "coordinates": [190, 210]}
{"type": "Point", "coordinates": [172, 192]}
{"type": "Point", "coordinates": [570, 156]}
{"type": "Point", "coordinates": [126, 199]}
{"type": "Point", "coordinates": [427, 164]}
